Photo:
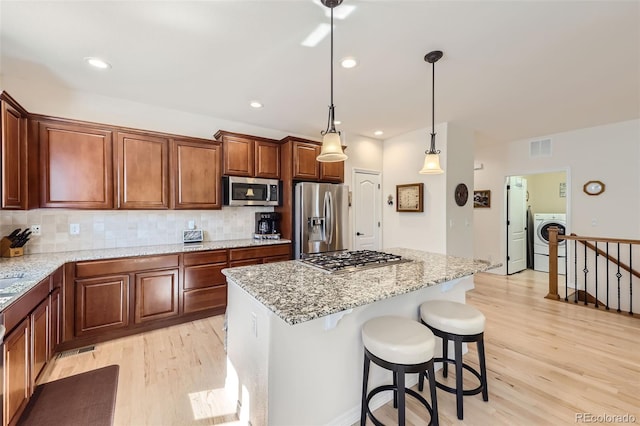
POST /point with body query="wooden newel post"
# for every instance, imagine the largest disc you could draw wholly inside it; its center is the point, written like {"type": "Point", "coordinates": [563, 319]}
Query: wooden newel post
{"type": "Point", "coordinates": [553, 264]}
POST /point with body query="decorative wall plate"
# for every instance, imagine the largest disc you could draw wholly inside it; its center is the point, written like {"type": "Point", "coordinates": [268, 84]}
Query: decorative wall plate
{"type": "Point", "coordinates": [593, 187]}
{"type": "Point", "coordinates": [461, 194]}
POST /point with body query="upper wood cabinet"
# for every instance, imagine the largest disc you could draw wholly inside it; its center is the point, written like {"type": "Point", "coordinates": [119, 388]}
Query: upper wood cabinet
{"type": "Point", "coordinates": [300, 156]}
{"type": "Point", "coordinates": [249, 156]}
{"type": "Point", "coordinates": [13, 153]}
{"type": "Point", "coordinates": [196, 167]}
{"type": "Point", "coordinates": [76, 166]}
{"type": "Point", "coordinates": [143, 171]}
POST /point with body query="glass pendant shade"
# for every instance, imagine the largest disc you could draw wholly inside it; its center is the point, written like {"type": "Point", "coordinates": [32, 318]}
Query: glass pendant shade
{"type": "Point", "coordinates": [431, 165]}
{"type": "Point", "coordinates": [331, 150]}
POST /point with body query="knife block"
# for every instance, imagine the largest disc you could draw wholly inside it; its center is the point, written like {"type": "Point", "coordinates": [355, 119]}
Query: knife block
{"type": "Point", "coordinates": [7, 251]}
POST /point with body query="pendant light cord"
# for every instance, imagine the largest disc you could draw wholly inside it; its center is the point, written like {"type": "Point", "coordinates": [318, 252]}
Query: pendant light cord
{"type": "Point", "coordinates": [432, 149]}
{"type": "Point", "coordinates": [331, 127]}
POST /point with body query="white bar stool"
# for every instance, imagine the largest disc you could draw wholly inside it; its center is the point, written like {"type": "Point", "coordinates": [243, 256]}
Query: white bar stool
{"type": "Point", "coordinates": [461, 323]}
{"type": "Point", "coordinates": [402, 346]}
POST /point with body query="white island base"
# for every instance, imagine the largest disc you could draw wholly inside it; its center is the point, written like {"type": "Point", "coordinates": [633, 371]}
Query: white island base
{"type": "Point", "coordinates": [311, 373]}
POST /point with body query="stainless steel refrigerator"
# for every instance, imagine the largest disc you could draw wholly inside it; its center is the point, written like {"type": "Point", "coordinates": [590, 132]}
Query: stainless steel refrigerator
{"type": "Point", "coordinates": [321, 218]}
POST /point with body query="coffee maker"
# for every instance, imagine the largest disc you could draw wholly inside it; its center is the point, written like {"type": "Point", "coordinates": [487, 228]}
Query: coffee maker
{"type": "Point", "coordinates": [267, 226]}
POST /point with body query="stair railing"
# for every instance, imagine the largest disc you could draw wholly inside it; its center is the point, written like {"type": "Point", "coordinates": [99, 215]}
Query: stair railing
{"type": "Point", "coordinates": [599, 271]}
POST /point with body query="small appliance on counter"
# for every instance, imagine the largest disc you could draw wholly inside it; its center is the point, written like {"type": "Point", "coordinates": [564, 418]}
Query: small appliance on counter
{"type": "Point", "coordinates": [13, 244]}
{"type": "Point", "coordinates": [267, 225]}
{"type": "Point", "coordinates": [192, 236]}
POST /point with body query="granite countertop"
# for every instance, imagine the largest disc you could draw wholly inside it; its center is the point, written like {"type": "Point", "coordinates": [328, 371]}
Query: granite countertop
{"type": "Point", "coordinates": [297, 292]}
{"type": "Point", "coordinates": [33, 268]}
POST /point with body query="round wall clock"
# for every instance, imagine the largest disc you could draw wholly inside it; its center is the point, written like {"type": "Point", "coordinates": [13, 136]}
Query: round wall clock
{"type": "Point", "coordinates": [462, 194]}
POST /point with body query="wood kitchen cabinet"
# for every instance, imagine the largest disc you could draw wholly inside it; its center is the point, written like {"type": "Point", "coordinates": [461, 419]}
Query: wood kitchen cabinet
{"type": "Point", "coordinates": [76, 165]}
{"type": "Point", "coordinates": [101, 304]}
{"type": "Point", "coordinates": [299, 159]}
{"type": "Point", "coordinates": [156, 295]}
{"type": "Point", "coordinates": [16, 372]}
{"type": "Point", "coordinates": [26, 347]}
{"type": "Point", "coordinates": [143, 171]}
{"type": "Point", "coordinates": [196, 172]}
{"type": "Point", "coordinates": [13, 153]}
{"type": "Point", "coordinates": [249, 156]}
{"type": "Point", "coordinates": [257, 255]}
{"type": "Point", "coordinates": [204, 285]}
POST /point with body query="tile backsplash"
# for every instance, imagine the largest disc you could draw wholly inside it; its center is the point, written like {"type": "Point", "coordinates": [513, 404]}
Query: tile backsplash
{"type": "Point", "coordinates": [126, 228]}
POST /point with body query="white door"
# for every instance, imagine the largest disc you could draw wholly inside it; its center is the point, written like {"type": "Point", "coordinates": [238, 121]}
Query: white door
{"type": "Point", "coordinates": [366, 210]}
{"type": "Point", "coordinates": [516, 224]}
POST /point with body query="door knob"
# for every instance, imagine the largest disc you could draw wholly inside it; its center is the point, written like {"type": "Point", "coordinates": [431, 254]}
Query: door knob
{"type": "Point", "coordinates": [359, 233]}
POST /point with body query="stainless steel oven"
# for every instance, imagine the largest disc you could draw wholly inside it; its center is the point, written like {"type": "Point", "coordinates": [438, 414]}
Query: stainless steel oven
{"type": "Point", "coordinates": [242, 191]}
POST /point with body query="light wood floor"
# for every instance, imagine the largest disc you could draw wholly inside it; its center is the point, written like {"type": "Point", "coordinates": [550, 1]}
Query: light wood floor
{"type": "Point", "coordinates": [547, 361]}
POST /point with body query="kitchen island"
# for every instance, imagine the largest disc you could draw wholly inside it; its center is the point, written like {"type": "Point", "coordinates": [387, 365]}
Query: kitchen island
{"type": "Point", "coordinates": [294, 351]}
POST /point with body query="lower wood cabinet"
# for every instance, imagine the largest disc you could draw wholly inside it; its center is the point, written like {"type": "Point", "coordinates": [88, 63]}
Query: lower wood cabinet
{"type": "Point", "coordinates": [156, 295]}
{"type": "Point", "coordinates": [16, 372]}
{"type": "Point", "coordinates": [55, 316]}
{"type": "Point", "coordinates": [40, 338]}
{"type": "Point", "coordinates": [101, 304]}
{"type": "Point", "coordinates": [205, 287]}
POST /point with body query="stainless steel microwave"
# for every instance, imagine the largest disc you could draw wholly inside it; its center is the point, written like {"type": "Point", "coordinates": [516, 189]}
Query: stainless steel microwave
{"type": "Point", "coordinates": [242, 191]}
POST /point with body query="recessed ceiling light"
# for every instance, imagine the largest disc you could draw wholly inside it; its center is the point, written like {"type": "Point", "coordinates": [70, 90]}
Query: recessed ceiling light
{"type": "Point", "coordinates": [348, 62]}
{"type": "Point", "coordinates": [337, 122]}
{"type": "Point", "coordinates": [97, 62]}
{"type": "Point", "coordinates": [378, 133]}
{"type": "Point", "coordinates": [255, 104]}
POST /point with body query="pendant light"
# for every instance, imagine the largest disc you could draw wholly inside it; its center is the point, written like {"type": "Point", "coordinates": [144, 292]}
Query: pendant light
{"type": "Point", "coordinates": [331, 150]}
{"type": "Point", "coordinates": [432, 156]}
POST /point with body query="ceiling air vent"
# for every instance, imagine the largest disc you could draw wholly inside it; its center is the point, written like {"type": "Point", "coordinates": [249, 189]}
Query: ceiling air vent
{"type": "Point", "coordinates": [541, 148]}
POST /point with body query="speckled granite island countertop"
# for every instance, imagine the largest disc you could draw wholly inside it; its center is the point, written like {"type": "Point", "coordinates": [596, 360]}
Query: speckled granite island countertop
{"type": "Point", "coordinates": [297, 293]}
{"type": "Point", "coordinates": [33, 268]}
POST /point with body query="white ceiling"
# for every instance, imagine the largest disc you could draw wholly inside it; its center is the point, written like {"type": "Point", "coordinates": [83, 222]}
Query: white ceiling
{"type": "Point", "coordinates": [511, 69]}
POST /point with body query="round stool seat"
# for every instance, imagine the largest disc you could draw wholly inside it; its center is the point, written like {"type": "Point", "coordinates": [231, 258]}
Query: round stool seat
{"type": "Point", "coordinates": [398, 340]}
{"type": "Point", "coordinates": [452, 317]}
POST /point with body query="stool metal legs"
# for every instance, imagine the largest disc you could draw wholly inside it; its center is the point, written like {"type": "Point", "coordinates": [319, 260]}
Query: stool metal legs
{"type": "Point", "coordinates": [398, 388]}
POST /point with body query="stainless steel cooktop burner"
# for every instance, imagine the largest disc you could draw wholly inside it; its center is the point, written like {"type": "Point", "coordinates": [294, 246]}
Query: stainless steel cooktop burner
{"type": "Point", "coordinates": [349, 261]}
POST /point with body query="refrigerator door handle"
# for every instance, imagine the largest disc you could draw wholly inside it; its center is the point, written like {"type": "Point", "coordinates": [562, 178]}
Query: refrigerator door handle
{"type": "Point", "coordinates": [328, 214]}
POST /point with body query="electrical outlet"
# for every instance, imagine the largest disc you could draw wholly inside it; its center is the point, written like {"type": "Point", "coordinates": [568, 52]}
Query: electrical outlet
{"type": "Point", "coordinates": [35, 229]}
{"type": "Point", "coordinates": [191, 224]}
{"type": "Point", "coordinates": [74, 228]}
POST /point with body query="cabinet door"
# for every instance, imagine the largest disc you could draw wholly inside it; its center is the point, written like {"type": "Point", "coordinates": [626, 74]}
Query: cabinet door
{"type": "Point", "coordinates": [16, 372]}
{"type": "Point", "coordinates": [102, 304]}
{"type": "Point", "coordinates": [156, 295]}
{"type": "Point", "coordinates": [40, 334]}
{"type": "Point", "coordinates": [76, 166]}
{"type": "Point", "coordinates": [143, 171]}
{"type": "Point", "coordinates": [54, 321]}
{"type": "Point", "coordinates": [238, 156]}
{"type": "Point", "coordinates": [196, 175]}
{"type": "Point", "coordinates": [267, 159]}
{"type": "Point", "coordinates": [13, 150]}
{"type": "Point", "coordinates": [305, 165]}
{"type": "Point", "coordinates": [332, 172]}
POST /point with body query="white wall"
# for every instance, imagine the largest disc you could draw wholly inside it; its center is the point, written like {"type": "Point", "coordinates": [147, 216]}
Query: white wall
{"type": "Point", "coordinates": [459, 169]}
{"type": "Point", "coordinates": [609, 153]}
{"type": "Point", "coordinates": [403, 157]}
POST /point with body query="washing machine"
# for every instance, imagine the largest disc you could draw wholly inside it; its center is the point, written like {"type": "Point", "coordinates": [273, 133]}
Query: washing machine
{"type": "Point", "coordinates": [542, 223]}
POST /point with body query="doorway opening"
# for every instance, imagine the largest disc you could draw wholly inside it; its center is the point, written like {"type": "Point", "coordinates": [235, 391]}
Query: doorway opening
{"type": "Point", "coordinates": [534, 203]}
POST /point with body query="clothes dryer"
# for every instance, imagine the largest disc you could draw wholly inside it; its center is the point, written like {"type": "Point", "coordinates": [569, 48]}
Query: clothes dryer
{"type": "Point", "coordinates": [542, 223]}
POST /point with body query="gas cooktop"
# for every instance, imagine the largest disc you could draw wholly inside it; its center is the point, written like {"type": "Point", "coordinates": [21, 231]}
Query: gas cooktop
{"type": "Point", "coordinates": [350, 261]}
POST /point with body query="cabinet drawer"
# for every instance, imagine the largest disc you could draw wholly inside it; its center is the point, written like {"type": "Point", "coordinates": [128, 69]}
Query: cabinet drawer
{"type": "Point", "coordinates": [282, 258]}
{"type": "Point", "coordinates": [205, 298]}
{"type": "Point", "coordinates": [204, 257]}
{"type": "Point", "coordinates": [203, 276]}
{"type": "Point", "coordinates": [118, 266]}
{"type": "Point", "coordinates": [255, 252]}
